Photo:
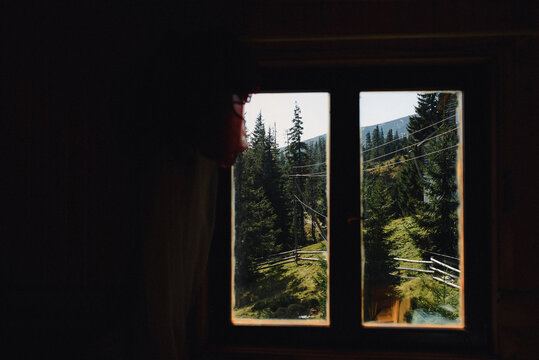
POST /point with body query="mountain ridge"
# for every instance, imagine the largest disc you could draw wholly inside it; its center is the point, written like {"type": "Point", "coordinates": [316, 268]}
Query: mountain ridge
{"type": "Point", "coordinates": [398, 124]}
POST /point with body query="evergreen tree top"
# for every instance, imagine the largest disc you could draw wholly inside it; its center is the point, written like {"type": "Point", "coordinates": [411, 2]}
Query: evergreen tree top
{"type": "Point", "coordinates": [296, 131]}
{"type": "Point", "coordinates": [259, 132]}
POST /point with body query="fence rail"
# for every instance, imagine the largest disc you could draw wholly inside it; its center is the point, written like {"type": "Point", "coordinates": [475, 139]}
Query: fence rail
{"type": "Point", "coordinates": [282, 258]}
{"type": "Point", "coordinates": [449, 275]}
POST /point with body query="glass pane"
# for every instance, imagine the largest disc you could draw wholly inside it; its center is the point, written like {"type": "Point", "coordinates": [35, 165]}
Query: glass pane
{"type": "Point", "coordinates": [280, 222]}
{"type": "Point", "coordinates": [412, 208]}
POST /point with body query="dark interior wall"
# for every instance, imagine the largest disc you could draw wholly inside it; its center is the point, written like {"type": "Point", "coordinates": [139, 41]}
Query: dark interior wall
{"type": "Point", "coordinates": [74, 184]}
{"type": "Point", "coordinates": [517, 292]}
{"type": "Point", "coordinates": [73, 192]}
{"type": "Point", "coordinates": [67, 257]}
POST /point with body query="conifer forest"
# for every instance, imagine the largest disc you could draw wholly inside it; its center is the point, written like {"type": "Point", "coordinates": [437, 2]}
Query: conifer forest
{"type": "Point", "coordinates": [410, 232]}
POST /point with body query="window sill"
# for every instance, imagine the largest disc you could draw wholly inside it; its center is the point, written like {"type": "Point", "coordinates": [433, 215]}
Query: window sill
{"type": "Point", "coordinates": [228, 352]}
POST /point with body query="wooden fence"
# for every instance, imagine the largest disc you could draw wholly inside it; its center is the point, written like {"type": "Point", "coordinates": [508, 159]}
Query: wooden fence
{"type": "Point", "coordinates": [288, 257]}
{"type": "Point", "coordinates": [437, 269]}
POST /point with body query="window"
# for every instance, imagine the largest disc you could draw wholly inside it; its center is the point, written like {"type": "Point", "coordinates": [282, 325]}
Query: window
{"type": "Point", "coordinates": [280, 231]}
{"type": "Point", "coordinates": [412, 208]}
{"type": "Point", "coordinates": [354, 321]}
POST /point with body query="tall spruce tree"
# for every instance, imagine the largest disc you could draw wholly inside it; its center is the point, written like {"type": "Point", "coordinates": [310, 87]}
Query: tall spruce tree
{"type": "Point", "coordinates": [255, 234]}
{"type": "Point", "coordinates": [257, 226]}
{"type": "Point", "coordinates": [274, 185]}
{"type": "Point", "coordinates": [441, 182]}
{"type": "Point", "coordinates": [378, 263]}
{"type": "Point", "coordinates": [426, 119]}
{"type": "Point", "coordinates": [430, 179]}
{"type": "Point", "coordinates": [425, 122]}
{"type": "Point", "coordinates": [297, 158]}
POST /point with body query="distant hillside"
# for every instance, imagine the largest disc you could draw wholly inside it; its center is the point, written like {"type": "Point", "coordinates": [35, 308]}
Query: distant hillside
{"type": "Point", "coordinates": [314, 139]}
{"type": "Point", "coordinates": [396, 125]}
{"type": "Point", "coordinates": [309, 142]}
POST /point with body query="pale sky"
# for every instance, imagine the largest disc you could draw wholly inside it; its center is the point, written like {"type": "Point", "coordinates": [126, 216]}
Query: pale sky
{"type": "Point", "coordinates": [376, 107]}
{"type": "Point", "coordinates": [278, 109]}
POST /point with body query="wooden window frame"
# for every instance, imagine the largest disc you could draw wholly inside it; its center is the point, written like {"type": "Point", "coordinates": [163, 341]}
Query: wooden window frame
{"type": "Point", "coordinates": [346, 332]}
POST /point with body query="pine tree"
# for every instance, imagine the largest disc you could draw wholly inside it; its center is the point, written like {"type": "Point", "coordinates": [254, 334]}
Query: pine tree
{"type": "Point", "coordinates": [408, 189]}
{"type": "Point", "coordinates": [297, 149]}
{"type": "Point", "coordinates": [420, 126]}
{"type": "Point", "coordinates": [390, 144]}
{"type": "Point", "coordinates": [377, 141]}
{"type": "Point", "coordinates": [257, 223]}
{"type": "Point", "coordinates": [432, 129]}
{"type": "Point", "coordinates": [274, 185]}
{"type": "Point", "coordinates": [257, 149]}
{"type": "Point", "coordinates": [255, 234]}
{"type": "Point", "coordinates": [297, 158]}
{"type": "Point", "coordinates": [366, 148]}
{"type": "Point", "coordinates": [441, 182]}
{"type": "Point", "coordinates": [378, 263]}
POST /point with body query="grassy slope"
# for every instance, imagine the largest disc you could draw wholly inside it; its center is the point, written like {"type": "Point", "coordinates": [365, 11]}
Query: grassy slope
{"type": "Point", "coordinates": [426, 295]}
{"type": "Point", "coordinates": [400, 238]}
{"type": "Point", "coordinates": [288, 291]}
{"type": "Point", "coordinates": [285, 291]}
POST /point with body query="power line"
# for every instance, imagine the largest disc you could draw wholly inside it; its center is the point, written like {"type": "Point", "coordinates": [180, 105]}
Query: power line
{"type": "Point", "coordinates": [319, 229]}
{"type": "Point", "coordinates": [307, 175]}
{"type": "Point", "coordinates": [417, 157]}
{"type": "Point", "coordinates": [414, 144]}
{"type": "Point", "coordinates": [302, 203]}
{"type": "Point", "coordinates": [305, 206]}
{"type": "Point", "coordinates": [304, 166]}
{"type": "Point", "coordinates": [318, 174]}
{"type": "Point", "coordinates": [447, 256]}
{"type": "Point", "coordinates": [407, 135]}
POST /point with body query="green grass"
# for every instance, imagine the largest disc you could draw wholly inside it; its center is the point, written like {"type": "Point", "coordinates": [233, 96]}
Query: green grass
{"type": "Point", "coordinates": [285, 291]}
{"type": "Point", "coordinates": [401, 242]}
{"type": "Point", "coordinates": [426, 295]}
{"type": "Point", "coordinates": [288, 291]}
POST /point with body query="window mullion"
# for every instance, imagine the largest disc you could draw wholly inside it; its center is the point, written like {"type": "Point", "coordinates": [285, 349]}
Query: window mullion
{"type": "Point", "coordinates": [345, 251]}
